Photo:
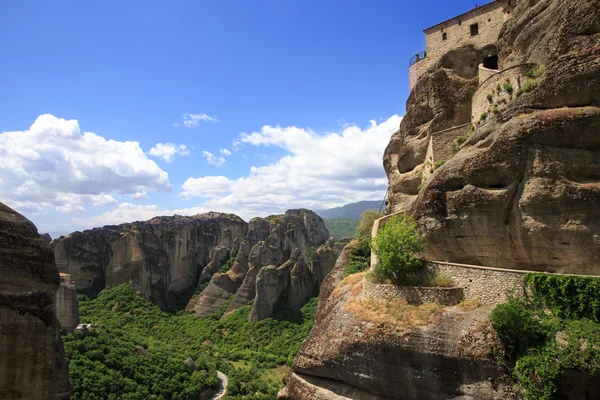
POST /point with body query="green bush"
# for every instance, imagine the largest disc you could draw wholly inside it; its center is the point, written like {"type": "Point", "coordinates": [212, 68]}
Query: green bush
{"type": "Point", "coordinates": [359, 260]}
{"type": "Point", "coordinates": [518, 325]}
{"type": "Point", "coordinates": [229, 262]}
{"type": "Point", "coordinates": [483, 116]}
{"type": "Point", "coordinates": [536, 71]}
{"type": "Point", "coordinates": [528, 86]}
{"type": "Point", "coordinates": [508, 87]}
{"type": "Point", "coordinates": [365, 226]}
{"type": "Point", "coordinates": [355, 267]}
{"type": "Point", "coordinates": [396, 245]}
{"type": "Point", "coordinates": [568, 296]}
{"type": "Point", "coordinates": [490, 98]}
{"type": "Point", "coordinates": [461, 139]}
{"type": "Point", "coordinates": [553, 306]}
{"type": "Point", "coordinates": [439, 163]}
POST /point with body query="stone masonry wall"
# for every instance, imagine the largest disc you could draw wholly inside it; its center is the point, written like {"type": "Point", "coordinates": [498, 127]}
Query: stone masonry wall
{"type": "Point", "coordinates": [490, 19]}
{"type": "Point", "coordinates": [515, 76]}
{"type": "Point", "coordinates": [442, 141]}
{"type": "Point", "coordinates": [483, 284]}
{"type": "Point", "coordinates": [417, 70]}
{"type": "Point", "coordinates": [446, 296]}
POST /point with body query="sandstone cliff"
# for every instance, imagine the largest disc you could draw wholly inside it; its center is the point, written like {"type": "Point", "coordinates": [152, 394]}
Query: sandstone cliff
{"type": "Point", "coordinates": [524, 190]}
{"type": "Point", "coordinates": [282, 259]}
{"type": "Point", "coordinates": [362, 351]}
{"type": "Point", "coordinates": [32, 362]}
{"type": "Point", "coordinates": [168, 258]}
{"type": "Point", "coordinates": [66, 305]}
{"type": "Point", "coordinates": [162, 257]}
{"type": "Point", "coordinates": [519, 188]}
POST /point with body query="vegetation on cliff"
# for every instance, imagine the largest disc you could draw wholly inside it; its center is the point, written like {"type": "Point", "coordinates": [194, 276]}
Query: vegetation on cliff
{"type": "Point", "coordinates": [104, 362]}
{"type": "Point", "coordinates": [551, 331]}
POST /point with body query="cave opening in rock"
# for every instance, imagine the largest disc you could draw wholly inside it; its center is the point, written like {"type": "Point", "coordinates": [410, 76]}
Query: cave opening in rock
{"type": "Point", "coordinates": [490, 62]}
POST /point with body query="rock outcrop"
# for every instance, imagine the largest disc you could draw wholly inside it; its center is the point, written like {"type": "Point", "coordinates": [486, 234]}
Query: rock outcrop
{"type": "Point", "coordinates": [524, 190]}
{"type": "Point", "coordinates": [350, 354]}
{"type": "Point", "coordinates": [66, 304]}
{"type": "Point", "coordinates": [521, 189]}
{"type": "Point", "coordinates": [162, 258]}
{"type": "Point", "coordinates": [32, 361]}
{"type": "Point", "coordinates": [282, 260]}
{"type": "Point", "coordinates": [169, 258]}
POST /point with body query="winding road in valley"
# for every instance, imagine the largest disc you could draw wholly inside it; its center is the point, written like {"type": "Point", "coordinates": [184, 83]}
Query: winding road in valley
{"type": "Point", "coordinates": [223, 381]}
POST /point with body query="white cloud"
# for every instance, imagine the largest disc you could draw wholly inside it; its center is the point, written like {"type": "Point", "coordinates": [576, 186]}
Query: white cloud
{"type": "Point", "coordinates": [139, 195]}
{"type": "Point", "coordinates": [55, 165]}
{"type": "Point", "coordinates": [168, 151]}
{"type": "Point", "coordinates": [212, 159]}
{"type": "Point", "coordinates": [225, 152]}
{"type": "Point", "coordinates": [191, 120]}
{"type": "Point", "coordinates": [319, 171]}
{"type": "Point", "coordinates": [207, 187]}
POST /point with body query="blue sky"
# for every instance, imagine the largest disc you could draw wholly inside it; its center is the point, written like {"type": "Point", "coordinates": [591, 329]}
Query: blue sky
{"type": "Point", "coordinates": [288, 104]}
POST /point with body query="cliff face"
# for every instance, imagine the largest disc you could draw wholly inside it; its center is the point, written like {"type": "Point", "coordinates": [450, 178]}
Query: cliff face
{"type": "Point", "coordinates": [168, 258]}
{"type": "Point", "coordinates": [519, 190]}
{"type": "Point", "coordinates": [281, 260]}
{"type": "Point", "coordinates": [524, 190]}
{"type": "Point", "coordinates": [362, 351]}
{"type": "Point", "coordinates": [162, 257]}
{"type": "Point", "coordinates": [32, 362]}
{"type": "Point", "coordinates": [66, 305]}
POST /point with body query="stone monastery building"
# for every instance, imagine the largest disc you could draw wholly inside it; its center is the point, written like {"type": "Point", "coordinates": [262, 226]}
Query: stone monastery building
{"type": "Point", "coordinates": [480, 27]}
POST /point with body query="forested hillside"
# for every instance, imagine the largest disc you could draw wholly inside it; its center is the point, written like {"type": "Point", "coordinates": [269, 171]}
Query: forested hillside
{"type": "Point", "coordinates": [136, 351]}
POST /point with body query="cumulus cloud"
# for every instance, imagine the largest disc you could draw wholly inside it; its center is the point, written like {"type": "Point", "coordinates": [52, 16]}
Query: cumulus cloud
{"type": "Point", "coordinates": [139, 195]}
{"type": "Point", "coordinates": [213, 159]}
{"type": "Point", "coordinates": [191, 120]}
{"type": "Point", "coordinates": [318, 171]}
{"type": "Point", "coordinates": [206, 187]}
{"type": "Point", "coordinates": [168, 151]}
{"type": "Point", "coordinates": [225, 152]}
{"type": "Point", "coordinates": [55, 165]}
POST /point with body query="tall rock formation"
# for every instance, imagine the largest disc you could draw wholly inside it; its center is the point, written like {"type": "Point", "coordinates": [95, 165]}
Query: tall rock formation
{"type": "Point", "coordinates": [162, 257]}
{"type": "Point", "coordinates": [521, 189]}
{"type": "Point", "coordinates": [66, 304]}
{"type": "Point", "coordinates": [32, 361]}
{"type": "Point", "coordinates": [524, 190]}
{"type": "Point", "coordinates": [282, 260]}
{"type": "Point", "coordinates": [169, 258]}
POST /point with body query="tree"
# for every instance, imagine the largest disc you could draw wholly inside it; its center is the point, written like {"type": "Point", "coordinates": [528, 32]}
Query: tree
{"type": "Point", "coordinates": [365, 226]}
{"type": "Point", "coordinates": [396, 245]}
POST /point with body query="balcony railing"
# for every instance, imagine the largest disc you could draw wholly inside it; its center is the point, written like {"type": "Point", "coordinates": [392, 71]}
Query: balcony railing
{"type": "Point", "coordinates": [418, 57]}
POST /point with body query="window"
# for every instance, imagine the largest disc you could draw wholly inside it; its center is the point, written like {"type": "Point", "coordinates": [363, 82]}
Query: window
{"type": "Point", "coordinates": [459, 22]}
{"type": "Point", "coordinates": [444, 36]}
{"type": "Point", "coordinates": [474, 29]}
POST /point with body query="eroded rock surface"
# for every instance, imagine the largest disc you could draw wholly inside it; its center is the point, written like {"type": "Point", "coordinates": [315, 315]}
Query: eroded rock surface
{"type": "Point", "coordinates": [524, 190]}
{"type": "Point", "coordinates": [283, 259]}
{"type": "Point", "coordinates": [32, 361]}
{"type": "Point", "coordinates": [349, 355]}
{"type": "Point", "coordinates": [162, 257]}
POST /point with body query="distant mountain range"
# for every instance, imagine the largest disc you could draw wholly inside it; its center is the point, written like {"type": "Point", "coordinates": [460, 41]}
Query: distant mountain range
{"type": "Point", "coordinates": [350, 211]}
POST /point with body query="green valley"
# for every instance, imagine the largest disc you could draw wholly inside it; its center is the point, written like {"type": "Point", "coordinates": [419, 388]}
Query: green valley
{"type": "Point", "coordinates": [136, 351]}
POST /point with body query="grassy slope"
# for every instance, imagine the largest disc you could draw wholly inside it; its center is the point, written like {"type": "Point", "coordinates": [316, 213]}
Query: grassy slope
{"type": "Point", "coordinates": [341, 227]}
{"type": "Point", "coordinates": [104, 363]}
